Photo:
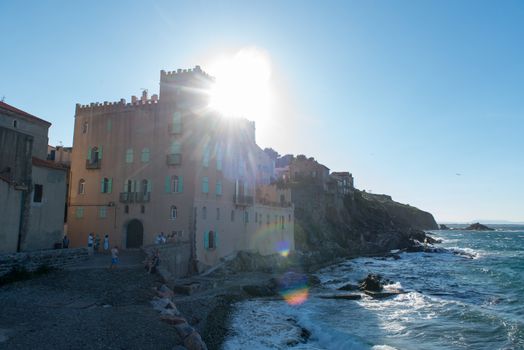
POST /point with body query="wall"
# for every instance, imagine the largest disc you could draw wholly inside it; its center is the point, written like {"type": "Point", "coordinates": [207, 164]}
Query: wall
{"type": "Point", "coordinates": [46, 221]}
{"type": "Point", "coordinates": [37, 129]}
{"type": "Point", "coordinates": [174, 257]}
{"type": "Point", "coordinates": [57, 258]}
{"type": "Point", "coordinates": [10, 218]}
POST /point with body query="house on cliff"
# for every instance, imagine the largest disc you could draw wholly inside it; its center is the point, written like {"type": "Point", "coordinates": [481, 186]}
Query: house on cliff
{"type": "Point", "coordinates": [32, 189]}
{"type": "Point", "coordinates": [169, 163]}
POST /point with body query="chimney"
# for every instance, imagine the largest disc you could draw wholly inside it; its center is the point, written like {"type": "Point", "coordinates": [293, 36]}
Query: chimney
{"type": "Point", "coordinates": [144, 96]}
{"type": "Point", "coordinates": [133, 99]}
{"type": "Point", "coordinates": [154, 97]}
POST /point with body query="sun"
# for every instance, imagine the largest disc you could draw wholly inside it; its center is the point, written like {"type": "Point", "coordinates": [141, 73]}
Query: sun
{"type": "Point", "coordinates": [242, 85]}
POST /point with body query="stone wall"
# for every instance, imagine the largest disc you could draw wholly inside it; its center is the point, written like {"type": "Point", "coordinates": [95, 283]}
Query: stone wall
{"type": "Point", "coordinates": [57, 258]}
{"type": "Point", "coordinates": [174, 258]}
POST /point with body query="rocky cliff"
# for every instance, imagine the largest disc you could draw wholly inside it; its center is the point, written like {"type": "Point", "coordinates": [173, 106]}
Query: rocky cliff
{"type": "Point", "coordinates": [359, 223]}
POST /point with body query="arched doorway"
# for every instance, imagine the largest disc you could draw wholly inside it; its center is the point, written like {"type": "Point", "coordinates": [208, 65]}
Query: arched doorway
{"type": "Point", "coordinates": [135, 234]}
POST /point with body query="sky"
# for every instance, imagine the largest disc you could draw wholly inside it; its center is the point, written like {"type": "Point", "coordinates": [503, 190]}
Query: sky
{"type": "Point", "coordinates": [422, 100]}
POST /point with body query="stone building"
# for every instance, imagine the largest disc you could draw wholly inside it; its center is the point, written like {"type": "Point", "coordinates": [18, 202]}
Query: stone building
{"type": "Point", "coordinates": [308, 169]}
{"type": "Point", "coordinates": [170, 164]}
{"type": "Point", "coordinates": [341, 183]}
{"type": "Point", "coordinates": [32, 189]}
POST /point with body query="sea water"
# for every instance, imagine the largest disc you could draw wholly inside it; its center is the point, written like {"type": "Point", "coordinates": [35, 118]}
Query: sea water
{"type": "Point", "coordinates": [469, 297]}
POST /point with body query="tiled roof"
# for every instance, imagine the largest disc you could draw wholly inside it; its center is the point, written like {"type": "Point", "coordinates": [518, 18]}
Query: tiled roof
{"type": "Point", "coordinates": [47, 164]}
{"type": "Point", "coordinates": [10, 108]}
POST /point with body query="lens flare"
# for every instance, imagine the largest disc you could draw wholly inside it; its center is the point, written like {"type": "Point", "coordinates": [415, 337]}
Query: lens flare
{"type": "Point", "coordinates": [283, 248]}
{"type": "Point", "coordinates": [293, 288]}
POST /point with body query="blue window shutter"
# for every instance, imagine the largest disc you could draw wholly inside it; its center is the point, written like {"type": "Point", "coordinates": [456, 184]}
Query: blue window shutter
{"type": "Point", "coordinates": [110, 185]}
{"type": "Point", "coordinates": [206, 240]}
{"type": "Point", "coordinates": [100, 152]}
{"type": "Point", "coordinates": [149, 185]}
{"type": "Point", "coordinates": [168, 184]}
{"type": "Point", "coordinates": [89, 153]}
{"type": "Point", "coordinates": [180, 184]}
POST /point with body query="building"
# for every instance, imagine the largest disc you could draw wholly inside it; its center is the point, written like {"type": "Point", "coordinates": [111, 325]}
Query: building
{"type": "Point", "coordinates": [32, 189]}
{"type": "Point", "coordinates": [341, 183]}
{"type": "Point", "coordinates": [308, 169]}
{"type": "Point", "coordinates": [170, 164]}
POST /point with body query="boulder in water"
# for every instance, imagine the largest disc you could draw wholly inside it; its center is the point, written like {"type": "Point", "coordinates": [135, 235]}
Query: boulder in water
{"type": "Point", "coordinates": [371, 283]}
{"type": "Point", "coordinates": [478, 227]}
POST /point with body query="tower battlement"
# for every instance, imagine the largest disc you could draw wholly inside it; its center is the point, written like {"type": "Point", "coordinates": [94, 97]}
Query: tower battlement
{"type": "Point", "coordinates": [182, 74]}
{"type": "Point", "coordinates": [106, 106]}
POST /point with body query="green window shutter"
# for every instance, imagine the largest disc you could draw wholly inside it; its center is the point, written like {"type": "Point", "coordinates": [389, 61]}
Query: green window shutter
{"type": "Point", "coordinates": [206, 240]}
{"type": "Point", "coordinates": [149, 185]}
{"type": "Point", "coordinates": [110, 186]}
{"type": "Point", "coordinates": [167, 185]}
{"type": "Point", "coordinates": [102, 185]}
{"type": "Point", "coordinates": [109, 125]}
{"type": "Point", "coordinates": [180, 184]}
{"type": "Point", "coordinates": [89, 153]}
{"type": "Point", "coordinates": [79, 213]}
{"type": "Point", "coordinates": [100, 148]}
{"type": "Point", "coordinates": [216, 238]}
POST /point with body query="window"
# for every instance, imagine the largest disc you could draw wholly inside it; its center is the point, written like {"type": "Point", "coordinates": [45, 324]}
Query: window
{"type": "Point", "coordinates": [232, 215]}
{"type": "Point", "coordinates": [282, 199]}
{"type": "Point", "coordinates": [145, 186]}
{"type": "Point", "coordinates": [128, 187]}
{"type": "Point", "coordinates": [177, 122]}
{"type": "Point", "coordinates": [15, 123]}
{"type": "Point", "coordinates": [204, 213]}
{"type": "Point", "coordinates": [210, 240]}
{"type": "Point", "coordinates": [129, 155]}
{"type": "Point", "coordinates": [174, 212]}
{"type": "Point", "coordinates": [85, 127]}
{"type": "Point", "coordinates": [205, 184]}
{"type": "Point", "coordinates": [246, 217]}
{"type": "Point", "coordinates": [282, 220]}
{"type": "Point", "coordinates": [94, 154]}
{"type": "Point", "coordinates": [218, 213]}
{"type": "Point", "coordinates": [176, 148]}
{"type": "Point", "coordinates": [145, 155]}
{"type": "Point", "coordinates": [38, 193]}
{"type": "Point", "coordinates": [126, 209]}
{"type": "Point", "coordinates": [205, 159]}
{"type": "Point", "coordinates": [289, 218]}
{"type": "Point", "coordinates": [256, 217]}
{"type": "Point", "coordinates": [143, 209]}
{"type": "Point", "coordinates": [79, 213]}
{"type": "Point", "coordinates": [218, 188]}
{"type": "Point", "coordinates": [268, 219]}
{"type": "Point", "coordinates": [174, 183]}
{"type": "Point", "coordinates": [276, 220]}
{"type": "Point", "coordinates": [109, 125]}
{"type": "Point", "coordinates": [106, 185]}
{"type": "Point", "coordinates": [102, 212]}
{"type": "Point", "coordinates": [82, 186]}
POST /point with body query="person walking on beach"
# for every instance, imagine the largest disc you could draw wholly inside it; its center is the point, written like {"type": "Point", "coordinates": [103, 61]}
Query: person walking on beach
{"type": "Point", "coordinates": [106, 243]}
{"type": "Point", "coordinates": [97, 243]}
{"type": "Point", "coordinates": [114, 257]}
{"type": "Point", "coordinates": [90, 242]}
{"type": "Point", "coordinates": [65, 242]}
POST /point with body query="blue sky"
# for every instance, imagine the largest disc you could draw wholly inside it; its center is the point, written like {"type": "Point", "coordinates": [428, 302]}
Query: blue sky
{"type": "Point", "coordinates": [404, 94]}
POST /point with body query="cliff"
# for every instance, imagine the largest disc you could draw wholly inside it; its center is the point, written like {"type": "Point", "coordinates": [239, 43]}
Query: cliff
{"type": "Point", "coordinates": [358, 223]}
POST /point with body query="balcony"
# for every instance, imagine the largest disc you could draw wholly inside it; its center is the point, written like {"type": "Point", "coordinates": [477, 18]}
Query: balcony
{"type": "Point", "coordinates": [93, 164]}
{"type": "Point", "coordinates": [174, 159]}
{"type": "Point", "coordinates": [175, 128]}
{"type": "Point", "coordinates": [127, 197]}
{"type": "Point", "coordinates": [142, 197]}
{"type": "Point", "coordinates": [242, 201]}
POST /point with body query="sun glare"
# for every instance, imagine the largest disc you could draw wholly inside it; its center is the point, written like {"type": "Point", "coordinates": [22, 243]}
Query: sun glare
{"type": "Point", "coordinates": [242, 87]}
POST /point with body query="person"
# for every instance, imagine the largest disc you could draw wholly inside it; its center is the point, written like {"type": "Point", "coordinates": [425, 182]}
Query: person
{"type": "Point", "coordinates": [90, 242]}
{"type": "Point", "coordinates": [106, 243]}
{"type": "Point", "coordinates": [163, 238]}
{"type": "Point", "coordinates": [114, 257]}
{"type": "Point", "coordinates": [152, 262]}
{"type": "Point", "coordinates": [97, 243]}
{"type": "Point", "coordinates": [65, 242]}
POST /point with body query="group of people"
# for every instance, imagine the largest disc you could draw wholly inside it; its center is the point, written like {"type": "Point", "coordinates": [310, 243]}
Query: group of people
{"type": "Point", "coordinates": [161, 238]}
{"type": "Point", "coordinates": [93, 243]}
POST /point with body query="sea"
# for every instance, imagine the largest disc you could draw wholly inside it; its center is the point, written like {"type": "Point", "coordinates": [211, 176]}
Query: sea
{"type": "Point", "coordinates": [470, 296]}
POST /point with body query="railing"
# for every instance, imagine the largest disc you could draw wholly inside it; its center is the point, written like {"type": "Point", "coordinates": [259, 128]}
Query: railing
{"type": "Point", "coordinates": [127, 197]}
{"type": "Point", "coordinates": [174, 159]}
{"type": "Point", "coordinates": [142, 197]}
{"type": "Point", "coordinates": [175, 128]}
{"type": "Point", "coordinates": [242, 200]}
{"type": "Point", "coordinates": [281, 204]}
{"type": "Point", "coordinates": [93, 164]}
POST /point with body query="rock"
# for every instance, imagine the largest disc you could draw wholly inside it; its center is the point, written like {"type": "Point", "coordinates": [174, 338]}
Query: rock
{"type": "Point", "coordinates": [342, 296]}
{"type": "Point", "coordinates": [371, 283]}
{"type": "Point", "coordinates": [313, 280]}
{"type": "Point", "coordinates": [184, 330]}
{"type": "Point", "coordinates": [380, 295]}
{"type": "Point", "coordinates": [164, 292]}
{"type": "Point", "coordinates": [173, 320]}
{"type": "Point", "coordinates": [165, 306]}
{"type": "Point", "coordinates": [348, 286]}
{"type": "Point", "coordinates": [259, 291]}
{"type": "Point", "coordinates": [194, 342]}
{"type": "Point", "coordinates": [478, 227]}
{"type": "Point", "coordinates": [444, 227]}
